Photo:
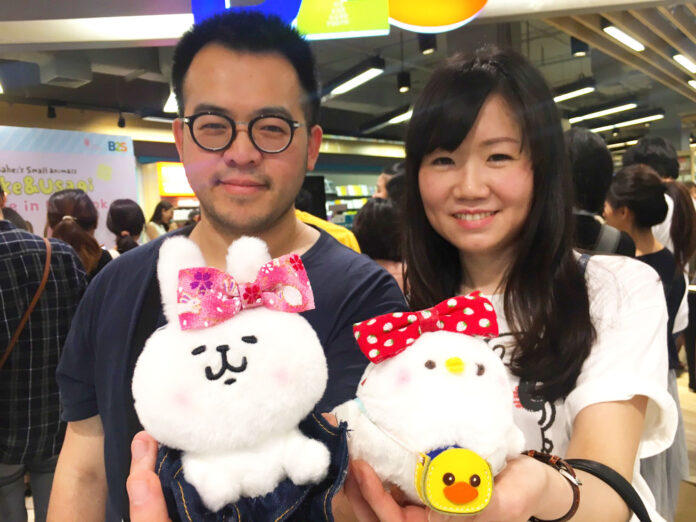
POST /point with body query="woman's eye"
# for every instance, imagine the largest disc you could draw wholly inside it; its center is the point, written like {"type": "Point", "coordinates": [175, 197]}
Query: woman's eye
{"type": "Point", "coordinates": [497, 158]}
{"type": "Point", "coordinates": [442, 161]}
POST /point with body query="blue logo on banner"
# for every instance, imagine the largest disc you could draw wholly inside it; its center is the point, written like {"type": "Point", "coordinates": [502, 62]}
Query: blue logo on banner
{"type": "Point", "coordinates": [285, 9]}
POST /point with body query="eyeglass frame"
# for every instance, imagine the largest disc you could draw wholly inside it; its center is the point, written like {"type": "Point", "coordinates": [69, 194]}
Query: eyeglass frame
{"type": "Point", "coordinates": [189, 121]}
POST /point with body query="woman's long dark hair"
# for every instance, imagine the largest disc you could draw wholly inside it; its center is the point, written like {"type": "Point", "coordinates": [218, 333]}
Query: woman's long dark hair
{"type": "Point", "coordinates": [126, 220]}
{"type": "Point", "coordinates": [157, 213]}
{"type": "Point", "coordinates": [639, 188]}
{"type": "Point", "coordinates": [546, 300]}
{"type": "Point", "coordinates": [73, 217]}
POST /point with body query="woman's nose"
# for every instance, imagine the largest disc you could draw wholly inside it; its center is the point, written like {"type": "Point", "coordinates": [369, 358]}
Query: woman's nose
{"type": "Point", "coordinates": [471, 184]}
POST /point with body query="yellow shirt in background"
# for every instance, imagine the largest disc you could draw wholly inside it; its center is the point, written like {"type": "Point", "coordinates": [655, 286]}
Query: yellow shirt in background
{"type": "Point", "coordinates": [341, 234]}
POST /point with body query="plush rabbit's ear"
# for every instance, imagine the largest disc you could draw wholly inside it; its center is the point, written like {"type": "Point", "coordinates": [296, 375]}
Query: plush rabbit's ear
{"type": "Point", "coordinates": [176, 253]}
{"type": "Point", "coordinates": [245, 256]}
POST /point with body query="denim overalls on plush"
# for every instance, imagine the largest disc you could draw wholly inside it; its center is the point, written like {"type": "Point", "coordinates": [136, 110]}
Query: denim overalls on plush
{"type": "Point", "coordinates": [287, 502]}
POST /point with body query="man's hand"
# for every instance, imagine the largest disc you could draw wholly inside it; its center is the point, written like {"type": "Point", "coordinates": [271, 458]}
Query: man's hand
{"type": "Point", "coordinates": [144, 490]}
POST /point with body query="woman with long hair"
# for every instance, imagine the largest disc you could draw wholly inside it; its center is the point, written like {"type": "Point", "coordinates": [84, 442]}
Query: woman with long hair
{"type": "Point", "coordinates": [160, 221]}
{"type": "Point", "coordinates": [489, 199]}
{"type": "Point", "coordinates": [635, 203]}
{"type": "Point", "coordinates": [126, 220]}
{"type": "Point", "coordinates": [73, 218]}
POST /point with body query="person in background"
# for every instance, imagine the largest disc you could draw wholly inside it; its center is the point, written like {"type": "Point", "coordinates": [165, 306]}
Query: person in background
{"type": "Point", "coordinates": [126, 220]}
{"type": "Point", "coordinates": [377, 227]}
{"type": "Point", "coordinates": [194, 216]}
{"type": "Point", "coordinates": [303, 204]}
{"type": "Point", "coordinates": [395, 188]}
{"type": "Point", "coordinates": [72, 217]}
{"type": "Point", "coordinates": [387, 174]}
{"type": "Point", "coordinates": [160, 221]}
{"type": "Point", "coordinates": [31, 432]}
{"type": "Point", "coordinates": [14, 217]}
{"type": "Point", "coordinates": [592, 168]}
{"type": "Point", "coordinates": [636, 202]}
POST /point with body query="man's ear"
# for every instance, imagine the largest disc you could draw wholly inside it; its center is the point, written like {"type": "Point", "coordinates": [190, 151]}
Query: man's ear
{"type": "Point", "coordinates": [313, 145]}
{"type": "Point", "coordinates": [178, 131]}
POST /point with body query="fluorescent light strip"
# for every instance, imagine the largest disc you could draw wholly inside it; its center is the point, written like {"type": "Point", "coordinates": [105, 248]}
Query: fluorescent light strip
{"type": "Point", "coordinates": [628, 41]}
{"type": "Point", "coordinates": [622, 144]}
{"type": "Point", "coordinates": [692, 83]}
{"type": "Point", "coordinates": [685, 62]}
{"type": "Point", "coordinates": [401, 117]}
{"type": "Point", "coordinates": [573, 94]}
{"type": "Point", "coordinates": [170, 106]}
{"type": "Point", "coordinates": [1, 91]}
{"type": "Point", "coordinates": [356, 81]}
{"type": "Point", "coordinates": [158, 119]}
{"type": "Point", "coordinates": [629, 123]}
{"type": "Point", "coordinates": [604, 112]}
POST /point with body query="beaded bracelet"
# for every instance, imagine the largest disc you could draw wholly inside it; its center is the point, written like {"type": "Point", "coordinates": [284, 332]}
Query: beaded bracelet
{"type": "Point", "coordinates": [568, 473]}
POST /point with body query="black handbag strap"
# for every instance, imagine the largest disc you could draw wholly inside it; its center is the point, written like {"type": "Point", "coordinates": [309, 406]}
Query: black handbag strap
{"type": "Point", "coordinates": [616, 482]}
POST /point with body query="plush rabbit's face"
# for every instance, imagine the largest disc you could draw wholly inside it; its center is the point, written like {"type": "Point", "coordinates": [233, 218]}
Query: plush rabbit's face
{"type": "Point", "coordinates": [229, 386]}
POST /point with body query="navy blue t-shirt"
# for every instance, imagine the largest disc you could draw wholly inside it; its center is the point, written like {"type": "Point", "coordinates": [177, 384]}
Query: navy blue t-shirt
{"type": "Point", "coordinates": [109, 330]}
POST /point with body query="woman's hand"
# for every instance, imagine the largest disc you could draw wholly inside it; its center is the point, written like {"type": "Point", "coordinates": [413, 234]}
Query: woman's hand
{"type": "Point", "coordinates": [145, 495]}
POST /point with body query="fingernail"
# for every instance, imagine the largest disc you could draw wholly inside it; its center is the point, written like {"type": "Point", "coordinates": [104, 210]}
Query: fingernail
{"type": "Point", "coordinates": [138, 491]}
{"type": "Point", "coordinates": [138, 449]}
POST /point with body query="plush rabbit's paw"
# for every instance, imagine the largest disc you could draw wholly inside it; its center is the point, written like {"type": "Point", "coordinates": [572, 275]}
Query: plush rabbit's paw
{"type": "Point", "coordinates": [307, 461]}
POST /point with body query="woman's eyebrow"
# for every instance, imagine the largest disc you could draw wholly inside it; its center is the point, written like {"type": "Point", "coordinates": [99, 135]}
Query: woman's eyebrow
{"type": "Point", "coordinates": [501, 139]}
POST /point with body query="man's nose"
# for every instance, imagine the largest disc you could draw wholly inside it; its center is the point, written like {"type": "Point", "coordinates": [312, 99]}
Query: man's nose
{"type": "Point", "coordinates": [242, 150]}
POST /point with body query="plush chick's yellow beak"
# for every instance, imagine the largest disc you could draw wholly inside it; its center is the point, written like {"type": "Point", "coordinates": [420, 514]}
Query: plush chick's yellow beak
{"type": "Point", "coordinates": [455, 365]}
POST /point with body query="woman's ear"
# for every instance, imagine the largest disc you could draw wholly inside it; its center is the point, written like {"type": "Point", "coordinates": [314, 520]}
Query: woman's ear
{"type": "Point", "coordinates": [175, 254]}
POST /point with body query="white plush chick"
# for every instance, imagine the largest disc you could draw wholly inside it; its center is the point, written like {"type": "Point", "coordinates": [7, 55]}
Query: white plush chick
{"type": "Point", "coordinates": [445, 389]}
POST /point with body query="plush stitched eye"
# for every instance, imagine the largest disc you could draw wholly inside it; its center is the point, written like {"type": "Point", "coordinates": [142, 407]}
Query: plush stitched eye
{"type": "Point", "coordinates": [430, 364]}
{"type": "Point", "coordinates": [250, 339]}
{"type": "Point", "coordinates": [480, 369]}
{"type": "Point", "coordinates": [198, 350]}
{"type": "Point", "coordinates": [475, 480]}
{"type": "Point", "coordinates": [448, 479]}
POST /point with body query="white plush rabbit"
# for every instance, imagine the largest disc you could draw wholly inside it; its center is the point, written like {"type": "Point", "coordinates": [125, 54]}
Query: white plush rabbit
{"type": "Point", "coordinates": [230, 388]}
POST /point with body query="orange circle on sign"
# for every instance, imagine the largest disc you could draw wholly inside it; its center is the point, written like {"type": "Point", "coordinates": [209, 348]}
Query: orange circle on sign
{"type": "Point", "coordinates": [433, 15]}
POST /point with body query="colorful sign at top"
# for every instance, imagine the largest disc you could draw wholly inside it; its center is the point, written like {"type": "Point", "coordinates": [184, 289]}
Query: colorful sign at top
{"type": "Point", "coordinates": [324, 19]}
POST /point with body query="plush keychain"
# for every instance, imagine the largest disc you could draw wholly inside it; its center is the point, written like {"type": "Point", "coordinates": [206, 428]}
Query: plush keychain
{"type": "Point", "coordinates": [433, 411]}
{"type": "Point", "coordinates": [232, 374]}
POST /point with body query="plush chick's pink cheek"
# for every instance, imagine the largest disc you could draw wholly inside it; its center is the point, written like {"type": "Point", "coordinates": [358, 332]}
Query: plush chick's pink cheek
{"type": "Point", "coordinates": [460, 493]}
{"type": "Point", "coordinates": [403, 378]}
{"type": "Point", "coordinates": [281, 377]}
{"type": "Point", "coordinates": [181, 400]}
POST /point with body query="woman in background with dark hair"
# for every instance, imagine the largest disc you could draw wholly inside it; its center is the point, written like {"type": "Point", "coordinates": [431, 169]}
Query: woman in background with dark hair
{"type": "Point", "coordinates": [489, 198]}
{"type": "Point", "coordinates": [73, 218]}
{"type": "Point", "coordinates": [635, 203]}
{"type": "Point", "coordinates": [377, 227]}
{"type": "Point", "coordinates": [159, 222]}
{"type": "Point", "coordinates": [126, 220]}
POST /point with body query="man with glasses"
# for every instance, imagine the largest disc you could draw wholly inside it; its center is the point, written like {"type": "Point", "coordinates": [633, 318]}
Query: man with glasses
{"type": "Point", "coordinates": [247, 134]}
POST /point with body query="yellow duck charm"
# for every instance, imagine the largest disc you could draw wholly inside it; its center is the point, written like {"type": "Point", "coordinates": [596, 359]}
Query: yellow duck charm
{"type": "Point", "coordinates": [454, 481]}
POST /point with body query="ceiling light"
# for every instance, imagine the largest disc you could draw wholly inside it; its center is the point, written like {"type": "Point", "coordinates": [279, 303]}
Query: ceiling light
{"type": "Point", "coordinates": [628, 123]}
{"type": "Point", "coordinates": [403, 80]}
{"type": "Point", "coordinates": [692, 83]}
{"type": "Point", "coordinates": [170, 106]}
{"type": "Point", "coordinates": [51, 112]}
{"type": "Point", "coordinates": [158, 119]}
{"type": "Point", "coordinates": [685, 62]}
{"type": "Point", "coordinates": [121, 120]}
{"type": "Point", "coordinates": [1, 91]}
{"type": "Point", "coordinates": [427, 43]}
{"type": "Point", "coordinates": [628, 41]}
{"type": "Point", "coordinates": [622, 144]}
{"type": "Point", "coordinates": [355, 76]}
{"type": "Point", "coordinates": [578, 47]}
{"type": "Point", "coordinates": [575, 89]}
{"type": "Point", "coordinates": [391, 118]}
{"type": "Point", "coordinates": [604, 112]}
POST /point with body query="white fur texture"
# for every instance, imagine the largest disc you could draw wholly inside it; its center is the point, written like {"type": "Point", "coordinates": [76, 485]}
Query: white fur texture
{"type": "Point", "coordinates": [238, 439]}
{"type": "Point", "coordinates": [428, 409]}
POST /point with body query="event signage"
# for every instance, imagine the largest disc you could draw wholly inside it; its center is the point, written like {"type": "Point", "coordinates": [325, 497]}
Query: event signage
{"type": "Point", "coordinates": [324, 19]}
{"type": "Point", "coordinates": [35, 163]}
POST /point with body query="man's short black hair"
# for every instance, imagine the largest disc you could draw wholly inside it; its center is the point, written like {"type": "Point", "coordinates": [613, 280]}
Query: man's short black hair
{"type": "Point", "coordinates": [592, 167]}
{"type": "Point", "coordinates": [656, 152]}
{"type": "Point", "coordinates": [251, 32]}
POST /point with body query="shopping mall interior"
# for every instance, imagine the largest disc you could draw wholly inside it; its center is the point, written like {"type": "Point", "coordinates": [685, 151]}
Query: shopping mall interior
{"type": "Point", "coordinates": [623, 69]}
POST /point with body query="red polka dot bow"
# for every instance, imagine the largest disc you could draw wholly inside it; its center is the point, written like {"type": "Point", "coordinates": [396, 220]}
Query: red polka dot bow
{"type": "Point", "coordinates": [208, 296]}
{"type": "Point", "coordinates": [387, 335]}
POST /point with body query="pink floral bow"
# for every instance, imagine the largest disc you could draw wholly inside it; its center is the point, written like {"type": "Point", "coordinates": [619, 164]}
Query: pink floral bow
{"type": "Point", "coordinates": [387, 335]}
{"type": "Point", "coordinates": [212, 296]}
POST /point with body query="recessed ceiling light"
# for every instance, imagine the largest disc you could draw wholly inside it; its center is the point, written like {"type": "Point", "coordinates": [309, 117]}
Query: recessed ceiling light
{"type": "Point", "coordinates": [575, 89]}
{"type": "Point", "coordinates": [170, 105]}
{"type": "Point", "coordinates": [391, 118]}
{"type": "Point", "coordinates": [685, 62]}
{"type": "Point", "coordinates": [628, 123]}
{"type": "Point", "coordinates": [692, 83]}
{"type": "Point", "coordinates": [604, 112]}
{"type": "Point", "coordinates": [628, 41]}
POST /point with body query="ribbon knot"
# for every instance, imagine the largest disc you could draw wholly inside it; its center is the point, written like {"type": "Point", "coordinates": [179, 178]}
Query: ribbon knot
{"type": "Point", "coordinates": [387, 335]}
{"type": "Point", "coordinates": [209, 296]}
